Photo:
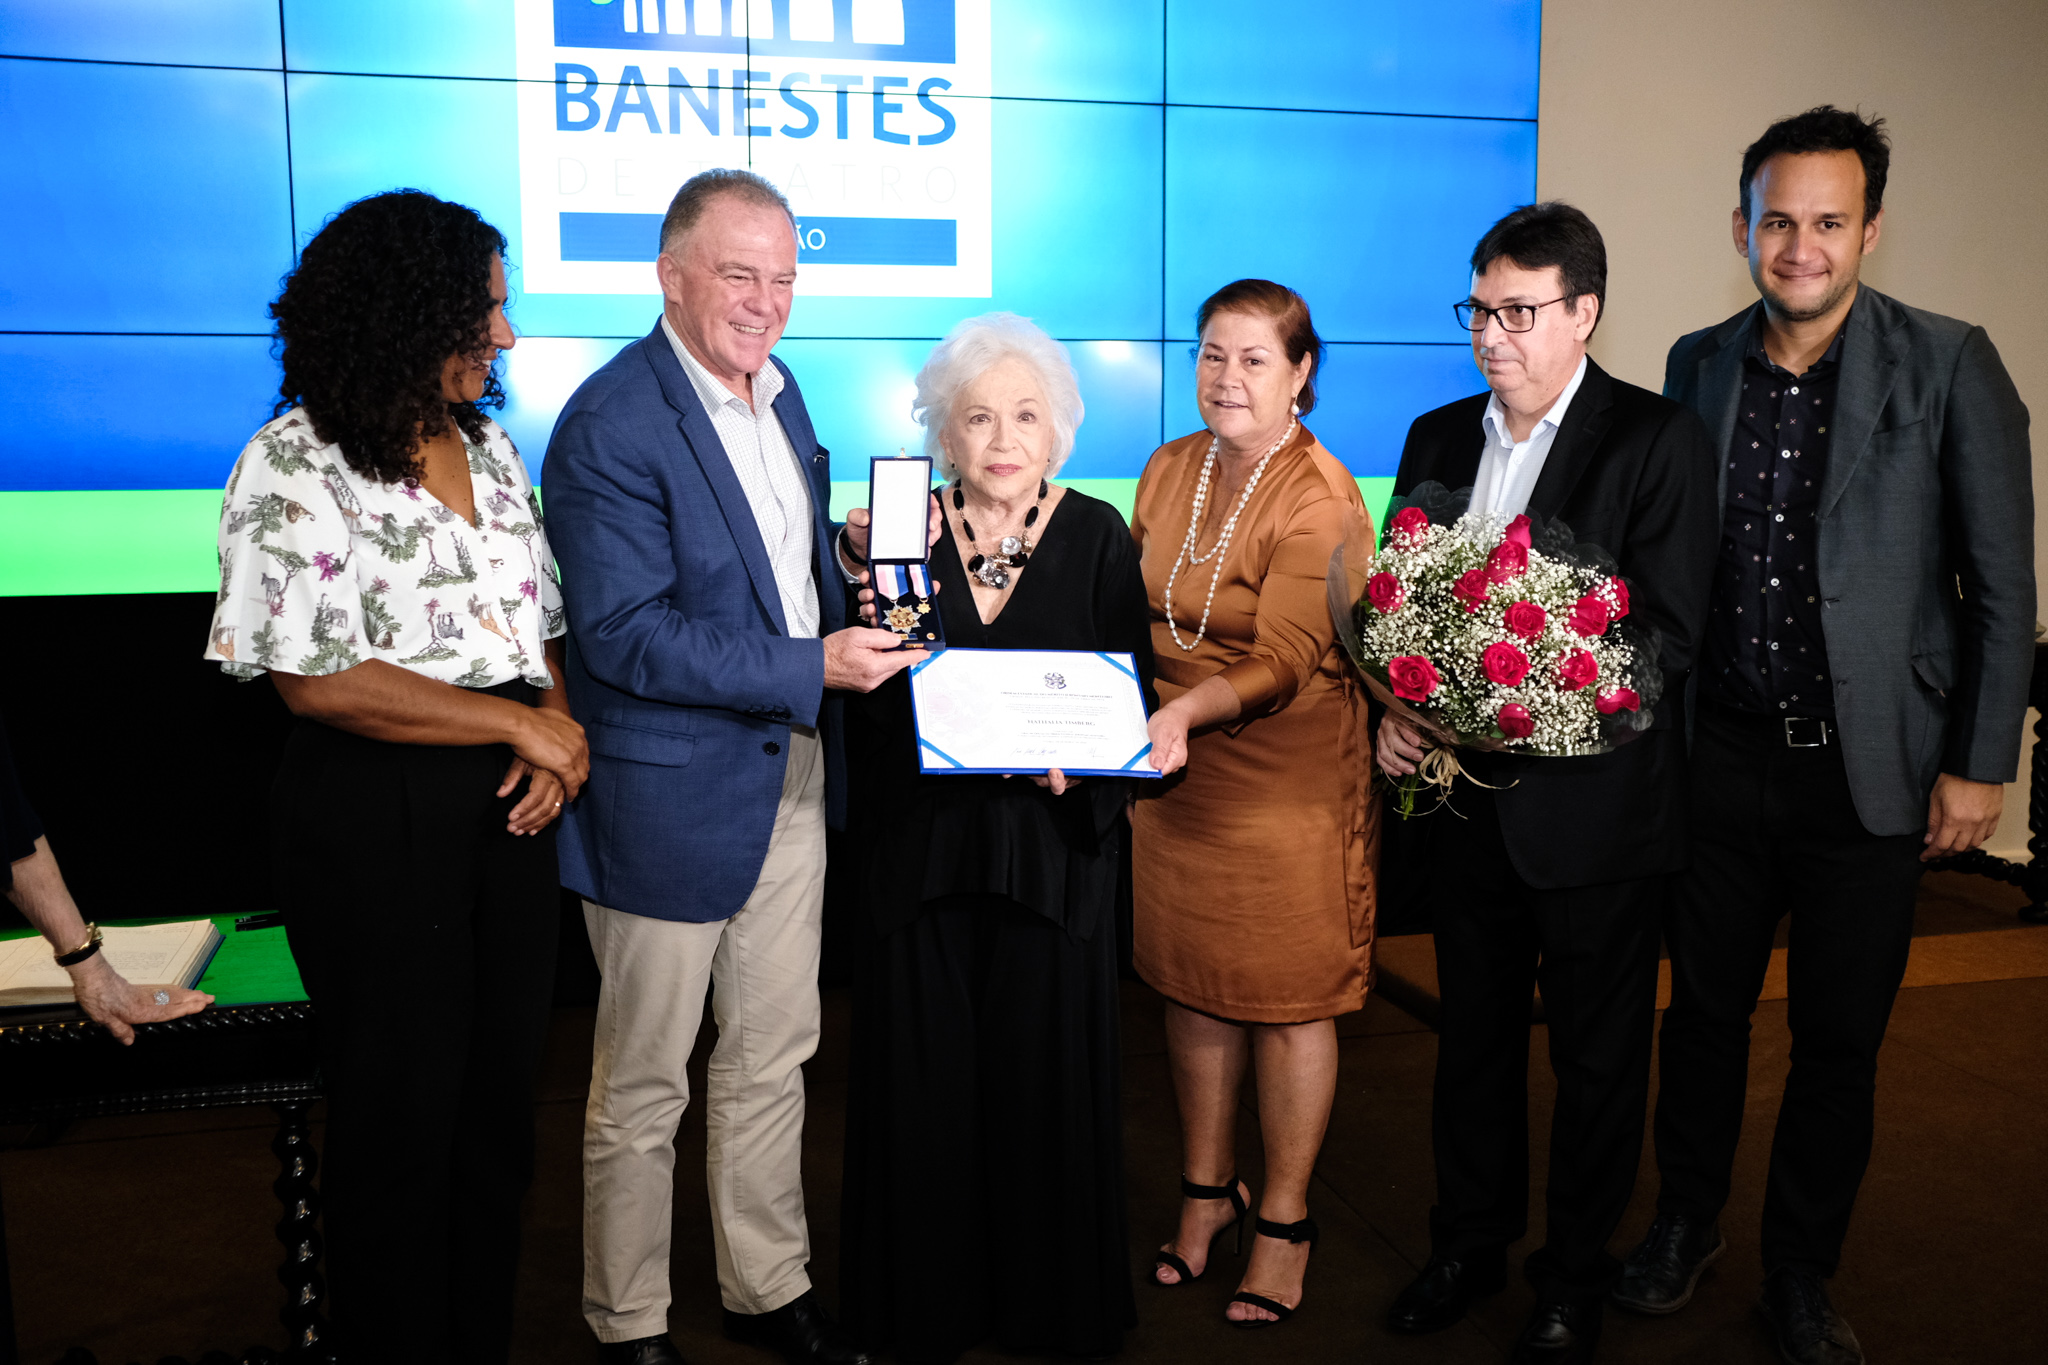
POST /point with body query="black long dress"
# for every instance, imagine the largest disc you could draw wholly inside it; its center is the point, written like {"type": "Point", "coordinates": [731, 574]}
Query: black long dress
{"type": "Point", "coordinates": [984, 1146]}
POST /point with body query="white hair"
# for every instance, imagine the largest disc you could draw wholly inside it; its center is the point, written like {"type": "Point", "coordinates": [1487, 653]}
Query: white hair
{"type": "Point", "coordinates": [968, 352]}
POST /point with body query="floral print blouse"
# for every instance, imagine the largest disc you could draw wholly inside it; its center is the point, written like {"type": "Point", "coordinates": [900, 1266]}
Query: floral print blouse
{"type": "Point", "coordinates": [322, 568]}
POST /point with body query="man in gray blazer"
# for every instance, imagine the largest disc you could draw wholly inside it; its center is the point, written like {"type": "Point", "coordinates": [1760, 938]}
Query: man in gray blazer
{"type": "Point", "coordinates": [1861, 695]}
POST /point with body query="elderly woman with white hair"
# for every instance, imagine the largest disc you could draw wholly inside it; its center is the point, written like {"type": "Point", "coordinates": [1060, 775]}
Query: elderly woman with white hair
{"type": "Point", "coordinates": [984, 1183]}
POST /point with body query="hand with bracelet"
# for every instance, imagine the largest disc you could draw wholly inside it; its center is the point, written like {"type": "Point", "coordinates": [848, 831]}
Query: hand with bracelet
{"type": "Point", "coordinates": [107, 998]}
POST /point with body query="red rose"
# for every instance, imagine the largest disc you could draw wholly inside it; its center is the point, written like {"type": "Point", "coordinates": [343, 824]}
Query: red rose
{"type": "Point", "coordinates": [1472, 588]}
{"type": "Point", "coordinates": [1620, 597]}
{"type": "Point", "coordinates": [1410, 522]}
{"type": "Point", "coordinates": [1589, 616]}
{"type": "Point", "coordinates": [1385, 592]}
{"type": "Point", "coordinates": [1515, 721]}
{"type": "Point", "coordinates": [1504, 664]}
{"type": "Point", "coordinates": [1508, 560]}
{"type": "Point", "coordinates": [1526, 619]}
{"type": "Point", "coordinates": [1518, 531]}
{"type": "Point", "coordinates": [1576, 669]}
{"type": "Point", "coordinates": [1413, 676]}
{"type": "Point", "coordinates": [1617, 699]}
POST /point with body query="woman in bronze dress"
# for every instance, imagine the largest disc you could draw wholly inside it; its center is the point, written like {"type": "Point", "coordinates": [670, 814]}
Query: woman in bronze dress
{"type": "Point", "coordinates": [1252, 870]}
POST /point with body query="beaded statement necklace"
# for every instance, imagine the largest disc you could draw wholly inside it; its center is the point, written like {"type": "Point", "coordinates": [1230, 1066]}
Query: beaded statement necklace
{"type": "Point", "coordinates": [1012, 552]}
{"type": "Point", "coordinates": [1187, 549]}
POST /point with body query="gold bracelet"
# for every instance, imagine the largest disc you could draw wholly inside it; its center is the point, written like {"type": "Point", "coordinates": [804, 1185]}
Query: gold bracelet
{"type": "Point", "coordinates": [83, 950]}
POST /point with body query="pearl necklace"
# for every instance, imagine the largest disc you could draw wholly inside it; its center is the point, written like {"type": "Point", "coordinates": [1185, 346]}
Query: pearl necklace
{"type": "Point", "coordinates": [1187, 549]}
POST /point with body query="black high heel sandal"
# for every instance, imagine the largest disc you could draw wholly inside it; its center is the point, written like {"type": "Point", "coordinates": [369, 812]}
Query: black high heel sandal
{"type": "Point", "coordinates": [1304, 1231]}
{"type": "Point", "coordinates": [1168, 1258]}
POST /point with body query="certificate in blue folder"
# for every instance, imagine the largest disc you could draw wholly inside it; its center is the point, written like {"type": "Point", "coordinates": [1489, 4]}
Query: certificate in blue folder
{"type": "Point", "coordinates": [1029, 711]}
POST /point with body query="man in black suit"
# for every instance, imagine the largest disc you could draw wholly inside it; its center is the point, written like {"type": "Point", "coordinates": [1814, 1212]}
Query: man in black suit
{"type": "Point", "coordinates": [1861, 694]}
{"type": "Point", "coordinates": [1556, 871]}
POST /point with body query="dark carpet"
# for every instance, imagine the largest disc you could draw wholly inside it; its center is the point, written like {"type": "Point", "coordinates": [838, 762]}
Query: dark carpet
{"type": "Point", "coordinates": [151, 1236]}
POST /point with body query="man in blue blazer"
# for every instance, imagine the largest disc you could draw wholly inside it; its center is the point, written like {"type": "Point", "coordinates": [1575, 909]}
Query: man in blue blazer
{"type": "Point", "coordinates": [687, 497]}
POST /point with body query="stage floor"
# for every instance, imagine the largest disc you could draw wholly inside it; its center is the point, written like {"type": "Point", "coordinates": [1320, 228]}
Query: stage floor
{"type": "Point", "coordinates": [148, 1236]}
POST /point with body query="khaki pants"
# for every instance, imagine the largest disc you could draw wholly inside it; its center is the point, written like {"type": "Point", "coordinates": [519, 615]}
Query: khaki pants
{"type": "Point", "coordinates": [762, 968]}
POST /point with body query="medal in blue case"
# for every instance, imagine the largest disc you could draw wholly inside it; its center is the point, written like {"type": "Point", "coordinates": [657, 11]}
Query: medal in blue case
{"type": "Point", "coordinates": [899, 553]}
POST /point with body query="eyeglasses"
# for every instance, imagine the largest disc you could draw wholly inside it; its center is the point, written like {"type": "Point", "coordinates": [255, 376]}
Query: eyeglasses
{"type": "Point", "coordinates": [1514, 317]}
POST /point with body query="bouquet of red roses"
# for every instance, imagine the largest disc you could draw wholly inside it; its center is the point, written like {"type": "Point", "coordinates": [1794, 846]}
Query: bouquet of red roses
{"type": "Point", "coordinates": [1493, 634]}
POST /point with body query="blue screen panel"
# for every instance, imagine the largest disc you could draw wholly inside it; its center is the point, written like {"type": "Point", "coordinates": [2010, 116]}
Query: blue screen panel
{"type": "Point", "coordinates": [1373, 219]}
{"type": "Point", "coordinates": [191, 32]}
{"type": "Point", "coordinates": [1477, 59]}
{"type": "Point", "coordinates": [109, 167]}
{"type": "Point", "coordinates": [1120, 387]}
{"type": "Point", "coordinates": [1076, 238]}
{"type": "Point", "coordinates": [130, 412]}
{"type": "Point", "coordinates": [1077, 231]}
{"type": "Point", "coordinates": [859, 394]}
{"type": "Point", "coordinates": [540, 374]}
{"type": "Point", "coordinates": [400, 37]}
{"type": "Point", "coordinates": [1079, 49]}
{"type": "Point", "coordinates": [358, 135]}
{"type": "Point", "coordinates": [1366, 397]}
{"type": "Point", "coordinates": [1045, 49]}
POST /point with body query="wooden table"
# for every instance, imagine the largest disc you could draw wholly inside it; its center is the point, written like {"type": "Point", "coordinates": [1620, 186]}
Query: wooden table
{"type": "Point", "coordinates": [253, 1046]}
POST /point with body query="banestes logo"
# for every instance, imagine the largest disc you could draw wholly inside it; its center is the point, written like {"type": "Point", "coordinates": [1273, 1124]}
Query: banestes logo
{"type": "Point", "coordinates": [872, 116]}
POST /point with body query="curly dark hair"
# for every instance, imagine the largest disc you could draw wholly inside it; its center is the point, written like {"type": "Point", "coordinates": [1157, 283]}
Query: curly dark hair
{"type": "Point", "coordinates": [382, 296]}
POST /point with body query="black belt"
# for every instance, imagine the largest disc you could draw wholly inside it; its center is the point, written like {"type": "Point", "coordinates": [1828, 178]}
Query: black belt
{"type": "Point", "coordinates": [1794, 732]}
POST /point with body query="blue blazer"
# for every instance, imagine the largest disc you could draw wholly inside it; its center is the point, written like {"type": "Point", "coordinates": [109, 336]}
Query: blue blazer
{"type": "Point", "coordinates": [681, 667]}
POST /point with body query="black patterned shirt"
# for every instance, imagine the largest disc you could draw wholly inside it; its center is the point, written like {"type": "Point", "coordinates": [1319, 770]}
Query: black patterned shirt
{"type": "Point", "coordinates": [1765, 649]}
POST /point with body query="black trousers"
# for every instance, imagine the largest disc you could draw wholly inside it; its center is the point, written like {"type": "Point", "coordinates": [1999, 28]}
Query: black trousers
{"type": "Point", "coordinates": [984, 1192]}
{"type": "Point", "coordinates": [425, 934]}
{"type": "Point", "coordinates": [1775, 834]}
{"type": "Point", "coordinates": [1593, 949]}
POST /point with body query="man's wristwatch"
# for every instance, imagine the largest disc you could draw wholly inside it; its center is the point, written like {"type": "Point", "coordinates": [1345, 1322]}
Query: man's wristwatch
{"type": "Point", "coordinates": [83, 950]}
{"type": "Point", "coordinates": [846, 548]}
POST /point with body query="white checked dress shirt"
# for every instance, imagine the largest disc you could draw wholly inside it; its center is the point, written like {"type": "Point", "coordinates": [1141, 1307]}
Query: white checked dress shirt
{"type": "Point", "coordinates": [1508, 469]}
{"type": "Point", "coordinates": [767, 468]}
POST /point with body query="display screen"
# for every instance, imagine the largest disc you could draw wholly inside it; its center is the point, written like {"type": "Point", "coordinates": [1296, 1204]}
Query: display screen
{"type": "Point", "coordinates": [1100, 168]}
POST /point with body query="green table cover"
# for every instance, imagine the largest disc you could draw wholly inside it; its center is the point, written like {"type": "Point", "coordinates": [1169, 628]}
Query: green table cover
{"type": "Point", "coordinates": [252, 967]}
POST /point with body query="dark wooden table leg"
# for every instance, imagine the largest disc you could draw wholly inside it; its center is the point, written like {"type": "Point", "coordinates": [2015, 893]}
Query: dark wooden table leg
{"type": "Point", "coordinates": [10, 1350]}
{"type": "Point", "coordinates": [306, 1330]}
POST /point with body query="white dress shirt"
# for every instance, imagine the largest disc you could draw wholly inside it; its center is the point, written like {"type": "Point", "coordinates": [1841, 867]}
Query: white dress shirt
{"type": "Point", "coordinates": [767, 468]}
{"type": "Point", "coordinates": [1508, 469]}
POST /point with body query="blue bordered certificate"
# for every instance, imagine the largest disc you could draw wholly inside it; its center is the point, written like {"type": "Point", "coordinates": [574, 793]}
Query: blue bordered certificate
{"type": "Point", "coordinates": [1028, 711]}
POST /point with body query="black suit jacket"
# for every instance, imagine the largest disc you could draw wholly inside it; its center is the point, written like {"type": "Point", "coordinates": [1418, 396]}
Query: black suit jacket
{"type": "Point", "coordinates": [1631, 472]}
{"type": "Point", "coordinates": [1926, 546]}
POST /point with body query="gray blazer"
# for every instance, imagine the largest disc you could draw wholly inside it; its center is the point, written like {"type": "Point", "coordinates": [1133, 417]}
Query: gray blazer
{"type": "Point", "coordinates": [1926, 546]}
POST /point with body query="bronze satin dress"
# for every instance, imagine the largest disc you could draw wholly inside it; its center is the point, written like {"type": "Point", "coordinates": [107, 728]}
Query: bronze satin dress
{"type": "Point", "coordinates": [1253, 868]}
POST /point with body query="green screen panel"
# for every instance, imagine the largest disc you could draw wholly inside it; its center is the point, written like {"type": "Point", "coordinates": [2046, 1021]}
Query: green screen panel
{"type": "Point", "coordinates": [163, 539]}
{"type": "Point", "coordinates": [109, 541]}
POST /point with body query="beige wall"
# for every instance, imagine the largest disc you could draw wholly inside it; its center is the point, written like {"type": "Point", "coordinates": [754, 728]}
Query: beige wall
{"type": "Point", "coordinates": [1647, 105]}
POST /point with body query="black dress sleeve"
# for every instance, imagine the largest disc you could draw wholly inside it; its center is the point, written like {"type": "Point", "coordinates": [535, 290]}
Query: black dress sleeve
{"type": "Point", "coordinates": [19, 827]}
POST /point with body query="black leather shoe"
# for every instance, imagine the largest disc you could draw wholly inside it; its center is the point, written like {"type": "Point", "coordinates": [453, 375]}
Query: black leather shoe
{"type": "Point", "coordinates": [1442, 1292]}
{"type": "Point", "coordinates": [1661, 1273]}
{"type": "Point", "coordinates": [1808, 1329]}
{"type": "Point", "coordinates": [1559, 1334]}
{"type": "Point", "coordinates": [640, 1351]}
{"type": "Point", "coordinates": [800, 1331]}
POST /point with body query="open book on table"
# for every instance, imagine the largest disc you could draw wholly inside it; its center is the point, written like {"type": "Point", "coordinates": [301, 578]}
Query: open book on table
{"type": "Point", "coordinates": [156, 955]}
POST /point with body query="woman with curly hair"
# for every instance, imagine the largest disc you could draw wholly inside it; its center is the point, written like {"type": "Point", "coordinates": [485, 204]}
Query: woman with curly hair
{"type": "Point", "coordinates": [383, 559]}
